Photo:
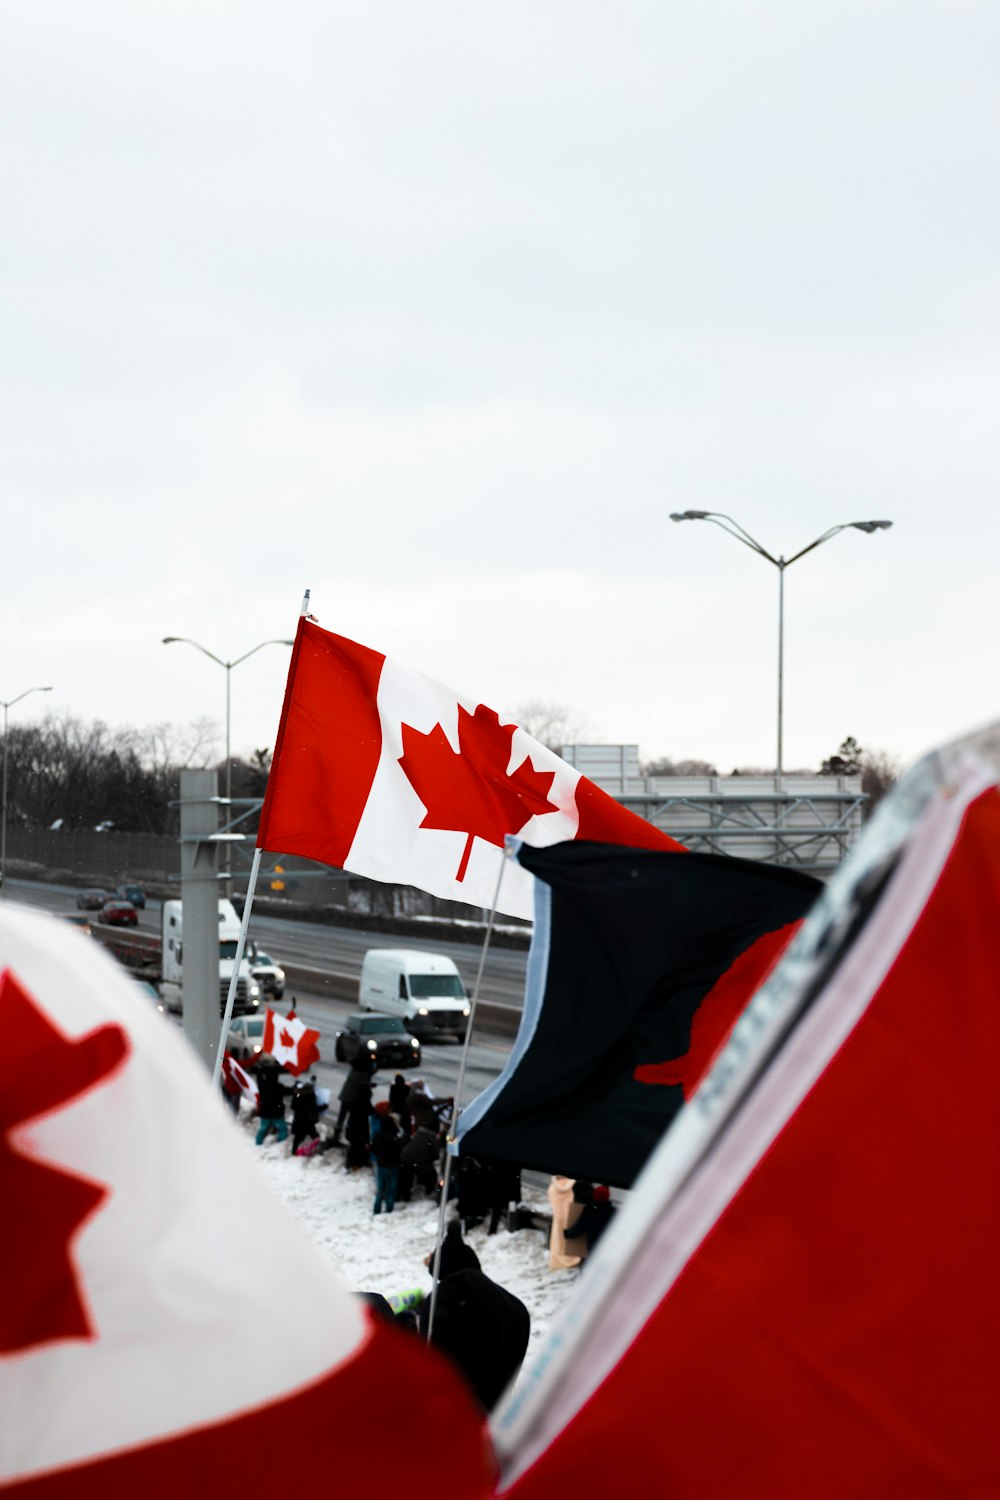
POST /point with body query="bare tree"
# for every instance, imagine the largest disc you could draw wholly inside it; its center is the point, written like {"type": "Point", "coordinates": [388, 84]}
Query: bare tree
{"type": "Point", "coordinates": [553, 724]}
{"type": "Point", "coordinates": [166, 745]}
{"type": "Point", "coordinates": [878, 769]}
{"type": "Point", "coordinates": [667, 767]}
{"type": "Point", "coordinates": [879, 772]}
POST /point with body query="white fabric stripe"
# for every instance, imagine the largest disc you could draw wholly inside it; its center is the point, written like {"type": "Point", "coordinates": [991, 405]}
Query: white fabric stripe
{"type": "Point", "coordinates": [389, 843]}
{"type": "Point", "coordinates": [674, 1206]}
{"type": "Point", "coordinates": [534, 993]}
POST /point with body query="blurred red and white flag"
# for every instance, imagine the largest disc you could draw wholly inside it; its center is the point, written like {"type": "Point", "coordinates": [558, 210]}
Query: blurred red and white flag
{"type": "Point", "coordinates": [290, 1042]}
{"type": "Point", "coordinates": [233, 1073]}
{"type": "Point", "coordinates": [165, 1324]}
{"type": "Point", "coordinates": [801, 1296]}
{"type": "Point", "coordinates": [383, 771]}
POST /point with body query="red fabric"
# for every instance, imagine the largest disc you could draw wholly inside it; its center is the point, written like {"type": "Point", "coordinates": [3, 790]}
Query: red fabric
{"type": "Point", "coordinates": [605, 821]}
{"type": "Point", "coordinates": [836, 1333]}
{"type": "Point", "coordinates": [718, 1013]}
{"type": "Point", "coordinates": [328, 747]}
{"type": "Point", "coordinates": [325, 1428]}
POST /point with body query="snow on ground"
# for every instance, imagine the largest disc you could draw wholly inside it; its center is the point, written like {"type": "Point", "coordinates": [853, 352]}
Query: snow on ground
{"type": "Point", "coordinates": [385, 1252]}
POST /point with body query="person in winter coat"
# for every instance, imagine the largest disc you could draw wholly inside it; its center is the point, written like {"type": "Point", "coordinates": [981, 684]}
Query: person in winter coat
{"type": "Point", "coordinates": [482, 1328]}
{"type": "Point", "coordinates": [271, 1095]}
{"type": "Point", "coordinates": [595, 1218]}
{"type": "Point", "coordinates": [305, 1115]}
{"type": "Point", "coordinates": [360, 1077]}
{"type": "Point", "coordinates": [418, 1162]}
{"type": "Point", "coordinates": [357, 1129]}
{"type": "Point", "coordinates": [399, 1093]}
{"type": "Point", "coordinates": [421, 1106]}
{"type": "Point", "coordinates": [456, 1255]}
{"type": "Point", "coordinates": [386, 1145]}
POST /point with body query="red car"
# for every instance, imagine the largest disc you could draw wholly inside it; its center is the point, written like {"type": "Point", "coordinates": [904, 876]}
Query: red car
{"type": "Point", "coordinates": [118, 914]}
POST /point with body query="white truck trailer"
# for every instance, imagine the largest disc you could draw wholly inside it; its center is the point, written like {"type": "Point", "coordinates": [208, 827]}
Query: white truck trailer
{"type": "Point", "coordinates": [247, 997]}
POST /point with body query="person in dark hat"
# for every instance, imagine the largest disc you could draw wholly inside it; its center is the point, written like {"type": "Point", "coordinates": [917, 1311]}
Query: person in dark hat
{"type": "Point", "coordinates": [456, 1255]}
{"type": "Point", "coordinates": [482, 1328]}
{"type": "Point", "coordinates": [305, 1114]}
{"type": "Point", "coordinates": [358, 1130]}
{"type": "Point", "coordinates": [399, 1093]}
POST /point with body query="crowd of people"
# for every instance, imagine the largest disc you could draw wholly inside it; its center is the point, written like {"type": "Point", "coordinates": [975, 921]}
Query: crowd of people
{"type": "Point", "coordinates": [481, 1326]}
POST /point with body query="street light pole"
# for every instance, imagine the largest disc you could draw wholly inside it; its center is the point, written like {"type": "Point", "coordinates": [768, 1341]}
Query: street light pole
{"type": "Point", "coordinates": [170, 640]}
{"type": "Point", "coordinates": [726, 523]}
{"type": "Point", "coordinates": [3, 799]}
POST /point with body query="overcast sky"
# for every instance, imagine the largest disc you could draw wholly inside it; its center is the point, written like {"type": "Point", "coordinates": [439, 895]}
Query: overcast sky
{"type": "Point", "coordinates": [440, 310]}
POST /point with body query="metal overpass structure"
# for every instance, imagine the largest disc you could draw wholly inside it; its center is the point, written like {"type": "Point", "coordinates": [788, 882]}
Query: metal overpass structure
{"type": "Point", "coordinates": [807, 821]}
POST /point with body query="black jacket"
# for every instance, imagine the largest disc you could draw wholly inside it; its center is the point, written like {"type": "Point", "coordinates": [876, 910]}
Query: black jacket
{"type": "Point", "coordinates": [387, 1143]}
{"type": "Point", "coordinates": [271, 1093]}
{"type": "Point", "coordinates": [421, 1150]}
{"type": "Point", "coordinates": [305, 1109]}
{"type": "Point", "coordinates": [482, 1328]}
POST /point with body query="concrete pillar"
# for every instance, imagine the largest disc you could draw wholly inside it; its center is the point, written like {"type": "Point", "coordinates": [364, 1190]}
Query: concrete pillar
{"type": "Point", "coordinates": [200, 912]}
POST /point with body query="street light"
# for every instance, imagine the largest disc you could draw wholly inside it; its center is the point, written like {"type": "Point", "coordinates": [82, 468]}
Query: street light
{"type": "Point", "coordinates": [170, 640]}
{"type": "Point", "coordinates": [718, 518]}
{"type": "Point", "coordinates": [3, 800]}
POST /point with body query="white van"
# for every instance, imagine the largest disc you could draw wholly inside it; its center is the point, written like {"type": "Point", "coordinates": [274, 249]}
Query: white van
{"type": "Point", "coordinates": [425, 989]}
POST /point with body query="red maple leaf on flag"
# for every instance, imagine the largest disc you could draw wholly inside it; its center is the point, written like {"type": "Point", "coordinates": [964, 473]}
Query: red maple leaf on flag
{"type": "Point", "coordinates": [469, 790]}
{"type": "Point", "coordinates": [41, 1070]}
{"type": "Point", "coordinates": [285, 1039]}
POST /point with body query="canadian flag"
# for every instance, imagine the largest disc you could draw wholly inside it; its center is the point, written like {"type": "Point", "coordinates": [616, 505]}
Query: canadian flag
{"type": "Point", "coordinates": [233, 1073]}
{"type": "Point", "coordinates": [165, 1323]}
{"type": "Point", "coordinates": [383, 771]}
{"type": "Point", "coordinates": [290, 1042]}
{"type": "Point", "coordinates": [800, 1298]}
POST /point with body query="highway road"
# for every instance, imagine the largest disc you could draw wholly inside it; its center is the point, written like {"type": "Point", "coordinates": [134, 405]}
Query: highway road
{"type": "Point", "coordinates": [337, 953]}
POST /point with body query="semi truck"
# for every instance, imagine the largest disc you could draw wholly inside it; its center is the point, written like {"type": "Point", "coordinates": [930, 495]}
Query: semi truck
{"type": "Point", "coordinates": [248, 995]}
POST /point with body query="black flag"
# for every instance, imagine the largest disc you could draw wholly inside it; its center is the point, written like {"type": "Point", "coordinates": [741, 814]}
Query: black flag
{"type": "Point", "coordinates": [640, 965]}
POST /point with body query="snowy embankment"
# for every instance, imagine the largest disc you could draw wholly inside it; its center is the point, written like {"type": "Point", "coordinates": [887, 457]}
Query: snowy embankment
{"type": "Point", "coordinates": [385, 1252]}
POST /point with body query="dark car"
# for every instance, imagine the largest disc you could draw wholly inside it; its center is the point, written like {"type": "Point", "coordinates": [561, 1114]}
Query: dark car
{"type": "Point", "coordinates": [118, 914]}
{"type": "Point", "coordinates": [93, 899]}
{"type": "Point", "coordinates": [384, 1038]}
{"type": "Point", "coordinates": [133, 892]}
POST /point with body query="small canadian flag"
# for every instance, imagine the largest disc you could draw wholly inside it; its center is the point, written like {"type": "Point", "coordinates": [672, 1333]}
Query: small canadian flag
{"type": "Point", "coordinates": [233, 1073]}
{"type": "Point", "coordinates": [290, 1042]}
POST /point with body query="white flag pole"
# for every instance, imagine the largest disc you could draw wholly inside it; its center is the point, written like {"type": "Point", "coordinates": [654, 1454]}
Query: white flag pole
{"type": "Point", "coordinates": [234, 977]}
{"type": "Point", "coordinates": [456, 1102]}
{"type": "Point", "coordinates": [244, 925]}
